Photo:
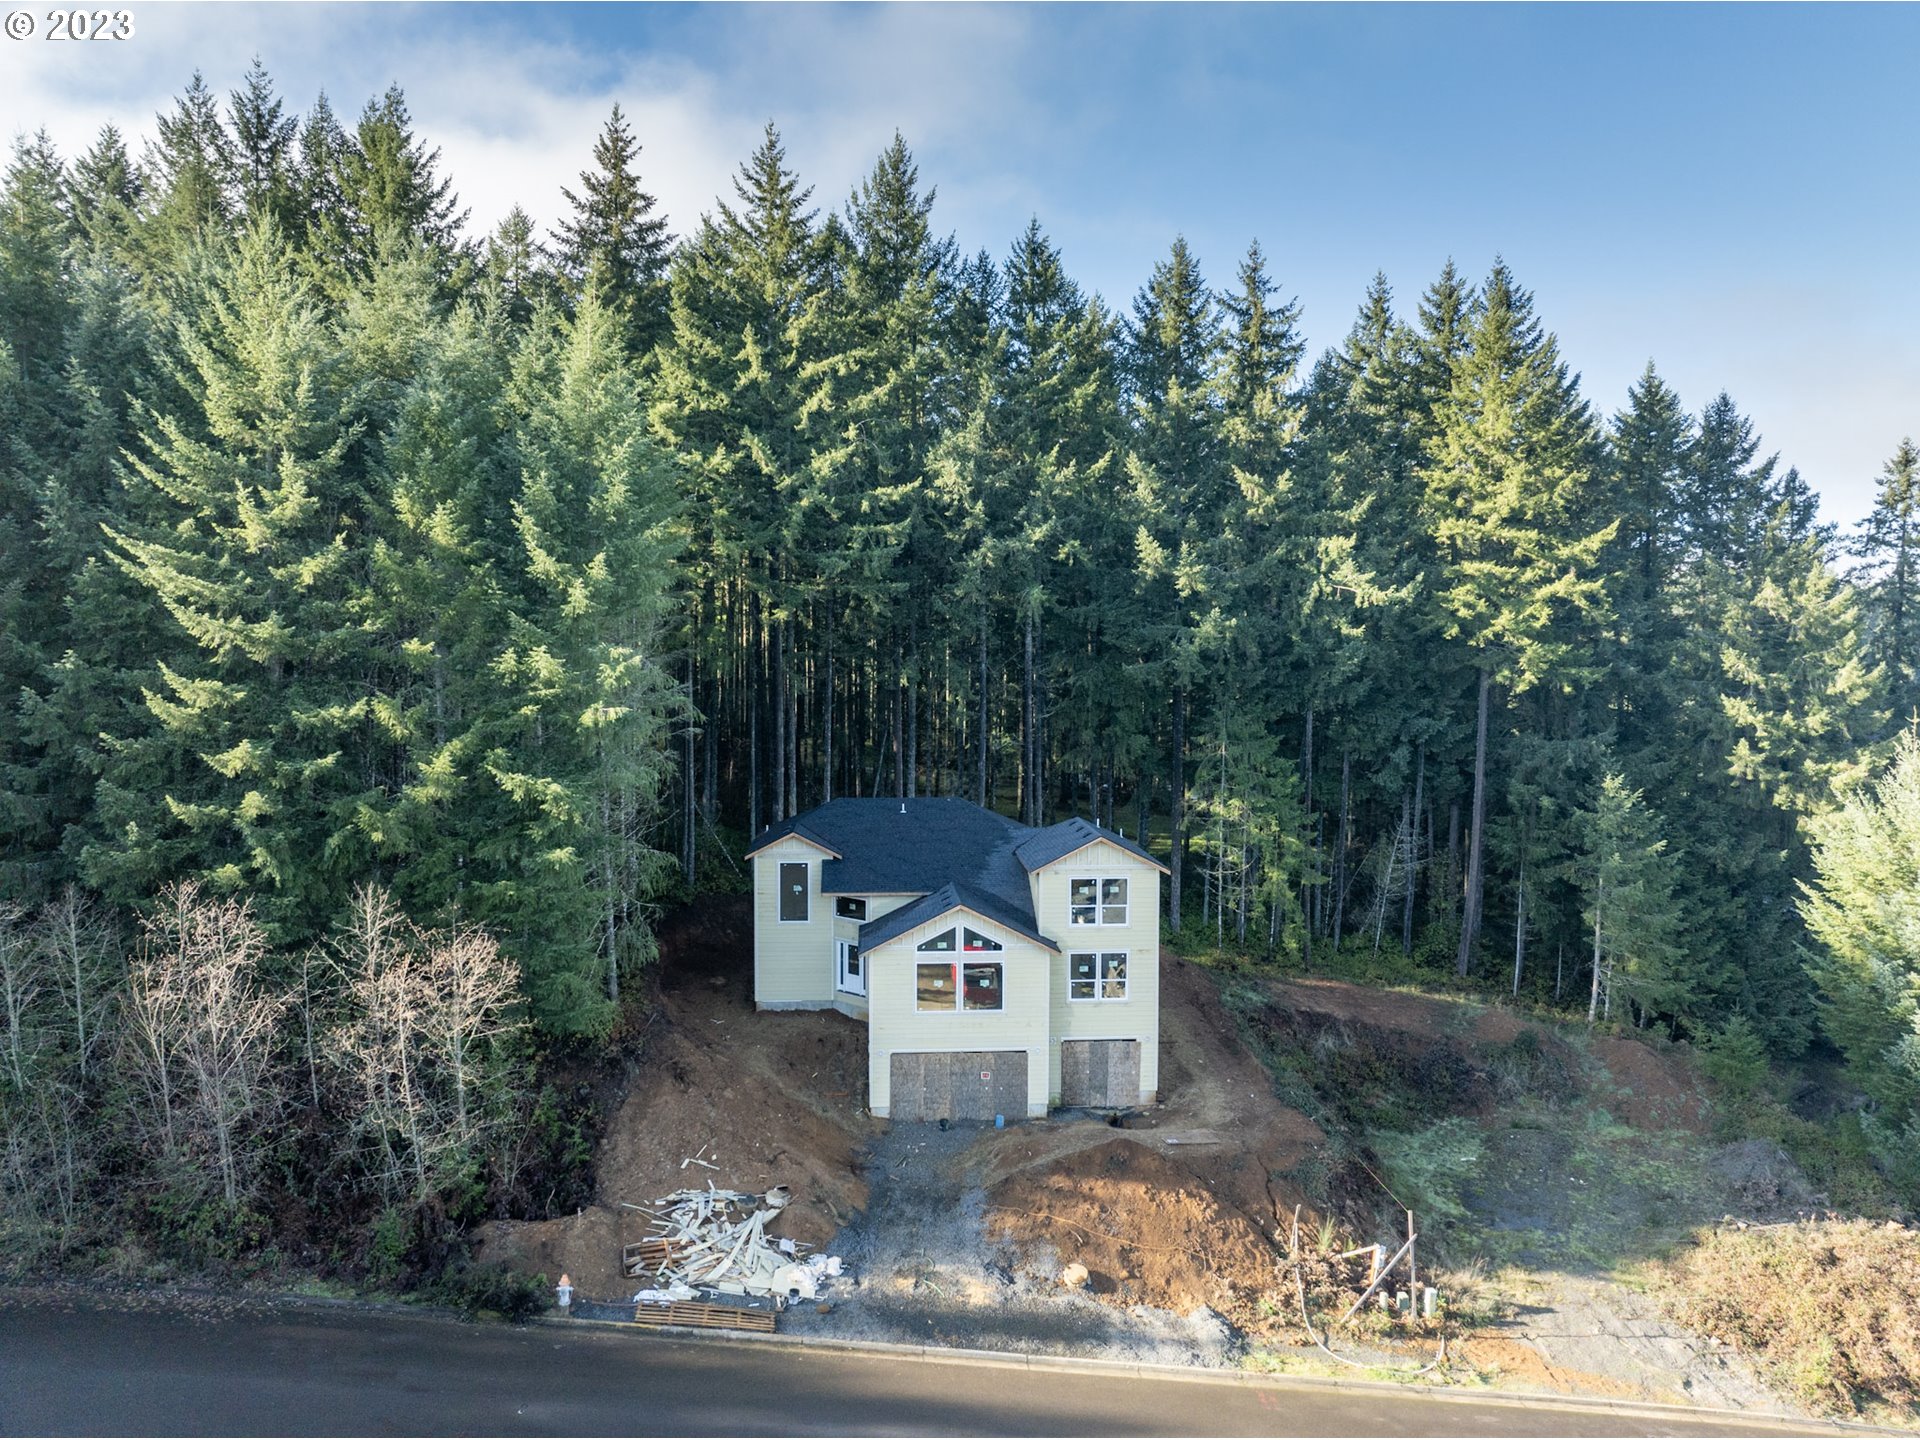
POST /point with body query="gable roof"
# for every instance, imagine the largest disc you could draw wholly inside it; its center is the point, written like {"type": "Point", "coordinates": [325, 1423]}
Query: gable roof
{"type": "Point", "coordinates": [943, 901]}
{"type": "Point", "coordinates": [1056, 842]}
{"type": "Point", "coordinates": [926, 846]}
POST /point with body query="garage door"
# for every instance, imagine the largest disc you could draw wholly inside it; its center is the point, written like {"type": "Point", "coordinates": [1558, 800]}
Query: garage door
{"type": "Point", "coordinates": [1104, 1074]}
{"type": "Point", "coordinates": [959, 1085]}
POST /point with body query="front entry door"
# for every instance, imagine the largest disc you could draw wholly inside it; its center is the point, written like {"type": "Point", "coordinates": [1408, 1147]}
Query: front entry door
{"type": "Point", "coordinates": [852, 980]}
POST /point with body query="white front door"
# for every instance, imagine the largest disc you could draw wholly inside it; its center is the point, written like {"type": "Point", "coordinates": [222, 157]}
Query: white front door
{"type": "Point", "coordinates": [852, 980]}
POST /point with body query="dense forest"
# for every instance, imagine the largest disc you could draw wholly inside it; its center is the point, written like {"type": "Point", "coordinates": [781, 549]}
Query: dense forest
{"type": "Point", "coordinates": [394, 618]}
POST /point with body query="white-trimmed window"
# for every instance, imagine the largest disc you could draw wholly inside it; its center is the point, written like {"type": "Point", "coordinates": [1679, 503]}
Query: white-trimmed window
{"type": "Point", "coordinates": [1097, 975]}
{"type": "Point", "coordinates": [793, 890]}
{"type": "Point", "coordinates": [937, 944]}
{"type": "Point", "coordinates": [973, 940]}
{"type": "Point", "coordinates": [1097, 900]}
{"type": "Point", "coordinates": [933, 988]}
{"type": "Point", "coordinates": [983, 986]}
{"type": "Point", "coordinates": [975, 985]}
{"type": "Point", "coordinates": [850, 907]}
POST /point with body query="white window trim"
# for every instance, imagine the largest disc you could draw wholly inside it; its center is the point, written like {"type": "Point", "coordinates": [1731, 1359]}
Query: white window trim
{"type": "Point", "coordinates": [1099, 980]}
{"type": "Point", "coordinates": [1099, 905]}
{"type": "Point", "coordinates": [958, 966]}
{"type": "Point", "coordinates": [780, 894]}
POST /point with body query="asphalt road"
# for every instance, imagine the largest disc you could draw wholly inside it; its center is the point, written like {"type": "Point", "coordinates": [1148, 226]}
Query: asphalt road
{"type": "Point", "coordinates": [320, 1370]}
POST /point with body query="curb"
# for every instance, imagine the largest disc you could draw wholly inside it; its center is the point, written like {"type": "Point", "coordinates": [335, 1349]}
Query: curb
{"type": "Point", "coordinates": [1752, 1420]}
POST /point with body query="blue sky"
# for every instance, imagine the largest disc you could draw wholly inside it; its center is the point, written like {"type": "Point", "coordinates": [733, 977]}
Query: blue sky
{"type": "Point", "coordinates": [1730, 191]}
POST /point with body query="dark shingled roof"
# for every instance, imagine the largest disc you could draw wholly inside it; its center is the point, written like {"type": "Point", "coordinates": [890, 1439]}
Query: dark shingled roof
{"type": "Point", "coordinates": [936, 848]}
{"type": "Point", "coordinates": [1043, 847]}
{"type": "Point", "coordinates": [948, 897]}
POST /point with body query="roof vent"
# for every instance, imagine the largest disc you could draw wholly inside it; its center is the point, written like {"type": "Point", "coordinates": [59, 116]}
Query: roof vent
{"type": "Point", "coordinates": [903, 807]}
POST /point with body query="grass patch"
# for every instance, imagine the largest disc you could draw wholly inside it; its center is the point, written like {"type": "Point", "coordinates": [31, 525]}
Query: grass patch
{"type": "Point", "coordinates": [1830, 1308]}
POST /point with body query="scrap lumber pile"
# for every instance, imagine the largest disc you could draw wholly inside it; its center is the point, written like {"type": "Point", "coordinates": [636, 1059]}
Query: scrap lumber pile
{"type": "Point", "coordinates": [716, 1241]}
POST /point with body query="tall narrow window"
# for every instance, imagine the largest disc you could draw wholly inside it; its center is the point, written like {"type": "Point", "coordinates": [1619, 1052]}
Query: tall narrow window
{"type": "Point", "coordinates": [793, 890]}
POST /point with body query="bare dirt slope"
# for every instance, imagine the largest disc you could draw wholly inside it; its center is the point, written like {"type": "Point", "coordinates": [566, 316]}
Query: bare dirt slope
{"type": "Point", "coordinates": [1178, 1212]}
{"type": "Point", "coordinates": [763, 1098]}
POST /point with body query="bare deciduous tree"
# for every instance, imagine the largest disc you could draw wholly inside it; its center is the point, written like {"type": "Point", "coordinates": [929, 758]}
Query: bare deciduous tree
{"type": "Point", "coordinates": [418, 1046]}
{"type": "Point", "coordinates": [78, 946]}
{"type": "Point", "coordinates": [202, 1025]}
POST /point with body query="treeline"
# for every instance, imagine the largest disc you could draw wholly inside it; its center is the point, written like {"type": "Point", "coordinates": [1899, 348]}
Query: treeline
{"type": "Point", "coordinates": [511, 575]}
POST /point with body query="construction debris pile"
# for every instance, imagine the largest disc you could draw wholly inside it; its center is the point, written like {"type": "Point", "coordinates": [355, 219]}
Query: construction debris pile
{"type": "Point", "coordinates": [716, 1241]}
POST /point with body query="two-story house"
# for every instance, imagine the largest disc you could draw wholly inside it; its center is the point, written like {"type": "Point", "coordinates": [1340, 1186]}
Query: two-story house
{"type": "Point", "coordinates": [1001, 969]}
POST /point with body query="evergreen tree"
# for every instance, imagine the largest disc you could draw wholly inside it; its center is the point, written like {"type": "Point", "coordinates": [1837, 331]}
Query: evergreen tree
{"type": "Point", "coordinates": [612, 243]}
{"type": "Point", "coordinates": [189, 177]}
{"type": "Point", "coordinates": [1889, 544]}
{"type": "Point", "coordinates": [245, 774]}
{"type": "Point", "coordinates": [1506, 487]}
{"type": "Point", "coordinates": [1181, 480]}
{"type": "Point", "coordinates": [1863, 911]}
{"type": "Point", "coordinates": [1630, 911]}
{"type": "Point", "coordinates": [389, 182]}
{"type": "Point", "coordinates": [264, 152]}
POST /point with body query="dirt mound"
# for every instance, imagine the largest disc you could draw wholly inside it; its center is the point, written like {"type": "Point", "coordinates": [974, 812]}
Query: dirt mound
{"type": "Point", "coordinates": [763, 1099]}
{"type": "Point", "coordinates": [1761, 1176]}
{"type": "Point", "coordinates": [1148, 1230]}
{"type": "Point", "coordinates": [1654, 1091]}
{"type": "Point", "coordinates": [1176, 1209]}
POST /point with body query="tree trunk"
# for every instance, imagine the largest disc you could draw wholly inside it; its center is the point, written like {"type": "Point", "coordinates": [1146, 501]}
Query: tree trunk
{"type": "Point", "coordinates": [1307, 889]}
{"type": "Point", "coordinates": [826, 730]}
{"type": "Point", "coordinates": [753, 718]}
{"type": "Point", "coordinates": [1519, 931]}
{"type": "Point", "coordinates": [1029, 787]}
{"type": "Point", "coordinates": [1470, 916]}
{"type": "Point", "coordinates": [1413, 848]}
{"type": "Point", "coordinates": [779, 697]}
{"type": "Point", "coordinates": [980, 780]}
{"type": "Point", "coordinates": [1340, 852]}
{"type": "Point", "coordinates": [1178, 782]}
{"type": "Point", "coordinates": [899, 737]}
{"type": "Point", "coordinates": [1593, 1000]}
{"type": "Point", "coordinates": [690, 782]}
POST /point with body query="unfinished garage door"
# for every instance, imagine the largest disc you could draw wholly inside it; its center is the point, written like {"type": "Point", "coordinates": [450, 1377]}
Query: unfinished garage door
{"type": "Point", "coordinates": [959, 1085]}
{"type": "Point", "coordinates": [1104, 1074]}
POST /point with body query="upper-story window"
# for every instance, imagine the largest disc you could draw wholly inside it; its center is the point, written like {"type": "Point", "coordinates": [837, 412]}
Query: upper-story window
{"type": "Point", "coordinates": [850, 907]}
{"type": "Point", "coordinates": [793, 890]}
{"type": "Point", "coordinates": [974, 940]}
{"type": "Point", "coordinates": [1097, 900]}
{"type": "Point", "coordinates": [941, 942]}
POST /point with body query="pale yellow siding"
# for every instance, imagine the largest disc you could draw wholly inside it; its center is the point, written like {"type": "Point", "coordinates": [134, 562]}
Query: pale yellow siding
{"type": "Point", "coordinates": [894, 1025]}
{"type": "Point", "coordinates": [1138, 1016]}
{"type": "Point", "coordinates": [792, 962]}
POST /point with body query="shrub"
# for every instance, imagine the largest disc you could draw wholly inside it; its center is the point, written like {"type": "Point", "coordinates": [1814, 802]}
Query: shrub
{"type": "Point", "coordinates": [1831, 1308]}
{"type": "Point", "coordinates": [496, 1289]}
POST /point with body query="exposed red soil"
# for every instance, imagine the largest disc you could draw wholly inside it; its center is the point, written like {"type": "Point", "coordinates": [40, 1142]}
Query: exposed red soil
{"type": "Point", "coordinates": [1426, 1016]}
{"type": "Point", "coordinates": [1181, 1208]}
{"type": "Point", "coordinates": [1654, 1091]}
{"type": "Point", "coordinates": [765, 1098]}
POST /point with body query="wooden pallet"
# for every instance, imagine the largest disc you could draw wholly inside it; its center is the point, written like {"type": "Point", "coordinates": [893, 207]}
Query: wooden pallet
{"type": "Point", "coordinates": [703, 1317]}
{"type": "Point", "coordinates": [652, 1256]}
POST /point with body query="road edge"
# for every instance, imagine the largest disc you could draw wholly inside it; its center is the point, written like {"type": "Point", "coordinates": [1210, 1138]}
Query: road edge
{"type": "Point", "coordinates": [1772, 1420]}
